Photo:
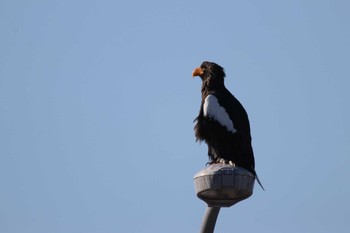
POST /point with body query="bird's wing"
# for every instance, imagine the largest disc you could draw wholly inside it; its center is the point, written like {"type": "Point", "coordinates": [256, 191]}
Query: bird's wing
{"type": "Point", "coordinates": [213, 110]}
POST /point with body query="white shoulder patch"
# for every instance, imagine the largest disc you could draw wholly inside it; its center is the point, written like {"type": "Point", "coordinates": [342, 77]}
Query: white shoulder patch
{"type": "Point", "coordinates": [212, 109]}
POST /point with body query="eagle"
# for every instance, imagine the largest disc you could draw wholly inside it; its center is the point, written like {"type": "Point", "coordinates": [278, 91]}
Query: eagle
{"type": "Point", "coordinates": [222, 121]}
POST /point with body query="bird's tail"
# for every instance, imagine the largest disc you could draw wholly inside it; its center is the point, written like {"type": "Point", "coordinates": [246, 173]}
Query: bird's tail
{"type": "Point", "coordinates": [257, 179]}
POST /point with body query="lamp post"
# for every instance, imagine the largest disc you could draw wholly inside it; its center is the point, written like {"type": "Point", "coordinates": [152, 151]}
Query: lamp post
{"type": "Point", "coordinates": [221, 185]}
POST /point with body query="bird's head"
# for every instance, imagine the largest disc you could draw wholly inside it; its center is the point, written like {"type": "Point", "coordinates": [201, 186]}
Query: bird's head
{"type": "Point", "coordinates": [209, 70]}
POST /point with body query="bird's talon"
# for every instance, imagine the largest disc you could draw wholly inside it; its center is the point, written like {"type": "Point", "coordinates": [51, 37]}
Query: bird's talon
{"type": "Point", "coordinates": [232, 164]}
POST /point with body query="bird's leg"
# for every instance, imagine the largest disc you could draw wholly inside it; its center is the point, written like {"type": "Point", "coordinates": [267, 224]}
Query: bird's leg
{"type": "Point", "coordinates": [232, 163]}
{"type": "Point", "coordinates": [224, 161]}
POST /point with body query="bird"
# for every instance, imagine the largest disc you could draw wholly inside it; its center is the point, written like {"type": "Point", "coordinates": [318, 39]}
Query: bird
{"type": "Point", "coordinates": [223, 122]}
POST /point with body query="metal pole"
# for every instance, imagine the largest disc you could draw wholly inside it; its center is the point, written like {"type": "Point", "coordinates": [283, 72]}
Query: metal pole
{"type": "Point", "coordinates": [209, 219]}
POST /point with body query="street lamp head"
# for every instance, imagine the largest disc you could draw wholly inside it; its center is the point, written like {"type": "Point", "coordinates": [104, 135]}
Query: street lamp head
{"type": "Point", "coordinates": [223, 185]}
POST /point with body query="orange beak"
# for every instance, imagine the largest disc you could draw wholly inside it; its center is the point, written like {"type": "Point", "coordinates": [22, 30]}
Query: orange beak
{"type": "Point", "coordinates": [197, 72]}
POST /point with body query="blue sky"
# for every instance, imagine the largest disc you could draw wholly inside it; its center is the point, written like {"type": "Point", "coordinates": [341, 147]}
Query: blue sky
{"type": "Point", "coordinates": [97, 106]}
